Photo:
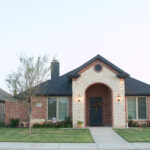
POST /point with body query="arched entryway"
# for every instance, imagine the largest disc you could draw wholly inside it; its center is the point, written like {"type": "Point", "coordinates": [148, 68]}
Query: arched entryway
{"type": "Point", "coordinates": [98, 105]}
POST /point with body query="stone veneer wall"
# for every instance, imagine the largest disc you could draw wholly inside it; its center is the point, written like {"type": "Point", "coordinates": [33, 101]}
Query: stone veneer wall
{"type": "Point", "coordinates": [108, 77]}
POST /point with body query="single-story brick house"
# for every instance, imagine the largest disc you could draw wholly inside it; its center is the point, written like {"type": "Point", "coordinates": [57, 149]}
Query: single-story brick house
{"type": "Point", "coordinates": [98, 93]}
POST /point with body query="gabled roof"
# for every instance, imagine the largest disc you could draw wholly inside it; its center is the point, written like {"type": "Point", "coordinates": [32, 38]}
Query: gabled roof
{"type": "Point", "coordinates": [5, 96]}
{"type": "Point", "coordinates": [134, 87]}
{"type": "Point", "coordinates": [63, 86]}
{"type": "Point", "coordinates": [121, 73]}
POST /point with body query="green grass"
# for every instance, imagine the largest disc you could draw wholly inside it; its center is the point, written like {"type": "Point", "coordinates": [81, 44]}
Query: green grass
{"type": "Point", "coordinates": [135, 134]}
{"type": "Point", "coordinates": [45, 135]}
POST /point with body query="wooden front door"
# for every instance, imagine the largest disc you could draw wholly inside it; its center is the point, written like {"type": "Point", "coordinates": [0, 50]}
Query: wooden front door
{"type": "Point", "coordinates": [2, 112]}
{"type": "Point", "coordinates": [96, 111]}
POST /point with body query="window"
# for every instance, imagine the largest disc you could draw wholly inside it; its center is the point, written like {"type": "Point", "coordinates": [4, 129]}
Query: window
{"type": "Point", "coordinates": [132, 107]}
{"type": "Point", "coordinates": [142, 108]}
{"type": "Point", "coordinates": [137, 108]}
{"type": "Point", "coordinates": [57, 108]}
{"type": "Point", "coordinates": [51, 108]}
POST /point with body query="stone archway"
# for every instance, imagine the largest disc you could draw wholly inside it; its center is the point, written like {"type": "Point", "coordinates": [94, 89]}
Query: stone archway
{"type": "Point", "coordinates": [103, 93]}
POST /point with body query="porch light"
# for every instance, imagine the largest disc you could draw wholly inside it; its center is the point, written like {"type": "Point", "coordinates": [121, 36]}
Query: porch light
{"type": "Point", "coordinates": [121, 80]}
{"type": "Point", "coordinates": [118, 98]}
{"type": "Point", "coordinates": [79, 98]}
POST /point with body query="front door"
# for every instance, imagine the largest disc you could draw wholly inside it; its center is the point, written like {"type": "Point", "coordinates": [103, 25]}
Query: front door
{"type": "Point", "coordinates": [95, 111]}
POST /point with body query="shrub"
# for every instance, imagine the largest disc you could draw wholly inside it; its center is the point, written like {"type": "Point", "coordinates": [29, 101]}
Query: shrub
{"type": "Point", "coordinates": [68, 122]}
{"type": "Point", "coordinates": [134, 124]}
{"type": "Point", "coordinates": [59, 125]}
{"type": "Point", "coordinates": [2, 124]}
{"type": "Point", "coordinates": [80, 122]}
{"type": "Point", "coordinates": [47, 125]}
{"type": "Point", "coordinates": [62, 124]}
{"type": "Point", "coordinates": [68, 126]}
{"type": "Point", "coordinates": [130, 121]}
{"type": "Point", "coordinates": [37, 125]}
{"type": "Point", "coordinates": [144, 125]}
{"type": "Point", "coordinates": [14, 122]}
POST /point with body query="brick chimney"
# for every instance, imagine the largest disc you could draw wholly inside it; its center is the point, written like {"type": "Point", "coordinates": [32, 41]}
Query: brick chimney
{"type": "Point", "coordinates": [54, 69]}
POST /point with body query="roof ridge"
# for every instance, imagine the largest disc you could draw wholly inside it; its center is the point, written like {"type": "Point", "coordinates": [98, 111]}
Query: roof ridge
{"type": "Point", "coordinates": [1, 90]}
{"type": "Point", "coordinates": [92, 60]}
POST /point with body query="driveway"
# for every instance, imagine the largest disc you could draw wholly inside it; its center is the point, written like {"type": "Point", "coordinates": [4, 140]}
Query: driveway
{"type": "Point", "coordinates": [105, 139]}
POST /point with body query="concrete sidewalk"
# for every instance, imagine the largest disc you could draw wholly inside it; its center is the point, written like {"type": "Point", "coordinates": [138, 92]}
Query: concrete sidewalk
{"type": "Point", "coordinates": [105, 139]}
{"type": "Point", "coordinates": [73, 146]}
{"type": "Point", "coordinates": [47, 146]}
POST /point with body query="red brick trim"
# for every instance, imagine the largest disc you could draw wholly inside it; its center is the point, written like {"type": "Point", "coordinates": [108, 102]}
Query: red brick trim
{"type": "Point", "coordinates": [126, 113]}
{"type": "Point", "coordinates": [85, 101]}
{"type": "Point", "coordinates": [95, 63]}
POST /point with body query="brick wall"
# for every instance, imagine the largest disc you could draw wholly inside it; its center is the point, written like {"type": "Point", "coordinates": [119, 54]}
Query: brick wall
{"type": "Point", "coordinates": [16, 110]}
{"type": "Point", "coordinates": [39, 104]}
{"type": "Point", "coordinates": [39, 109]}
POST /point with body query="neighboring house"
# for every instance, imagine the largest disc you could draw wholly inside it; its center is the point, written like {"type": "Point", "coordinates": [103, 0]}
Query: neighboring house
{"type": "Point", "coordinates": [10, 108]}
{"type": "Point", "coordinates": [4, 98]}
{"type": "Point", "coordinates": [97, 93]}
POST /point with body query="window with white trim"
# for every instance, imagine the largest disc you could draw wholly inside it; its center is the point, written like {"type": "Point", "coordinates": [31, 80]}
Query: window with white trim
{"type": "Point", "coordinates": [137, 108]}
{"type": "Point", "coordinates": [57, 108]}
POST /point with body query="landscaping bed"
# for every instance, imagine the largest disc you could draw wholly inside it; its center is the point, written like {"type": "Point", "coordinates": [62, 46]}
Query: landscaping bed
{"type": "Point", "coordinates": [46, 135]}
{"type": "Point", "coordinates": [135, 134]}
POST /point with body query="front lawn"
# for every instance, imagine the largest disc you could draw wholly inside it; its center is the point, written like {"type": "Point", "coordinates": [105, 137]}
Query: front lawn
{"type": "Point", "coordinates": [135, 134]}
{"type": "Point", "coordinates": [46, 135]}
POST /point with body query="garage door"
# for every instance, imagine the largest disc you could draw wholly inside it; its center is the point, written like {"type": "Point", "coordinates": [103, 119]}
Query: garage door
{"type": "Point", "coordinates": [2, 112]}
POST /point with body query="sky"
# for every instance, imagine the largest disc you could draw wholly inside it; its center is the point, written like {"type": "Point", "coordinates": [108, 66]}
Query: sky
{"type": "Point", "coordinates": [76, 31]}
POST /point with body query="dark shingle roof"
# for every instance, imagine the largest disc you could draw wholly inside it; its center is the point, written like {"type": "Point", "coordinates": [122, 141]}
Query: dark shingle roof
{"type": "Point", "coordinates": [134, 87]}
{"type": "Point", "coordinates": [5, 96]}
{"type": "Point", "coordinates": [63, 86]}
{"type": "Point", "coordinates": [60, 87]}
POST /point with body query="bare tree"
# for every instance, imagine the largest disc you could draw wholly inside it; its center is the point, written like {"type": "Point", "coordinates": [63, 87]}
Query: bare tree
{"type": "Point", "coordinates": [25, 82]}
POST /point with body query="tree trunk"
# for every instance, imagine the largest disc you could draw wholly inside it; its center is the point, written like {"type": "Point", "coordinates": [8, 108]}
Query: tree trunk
{"type": "Point", "coordinates": [29, 114]}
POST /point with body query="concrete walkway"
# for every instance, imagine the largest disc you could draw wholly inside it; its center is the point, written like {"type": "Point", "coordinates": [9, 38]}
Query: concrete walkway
{"type": "Point", "coordinates": [105, 139]}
